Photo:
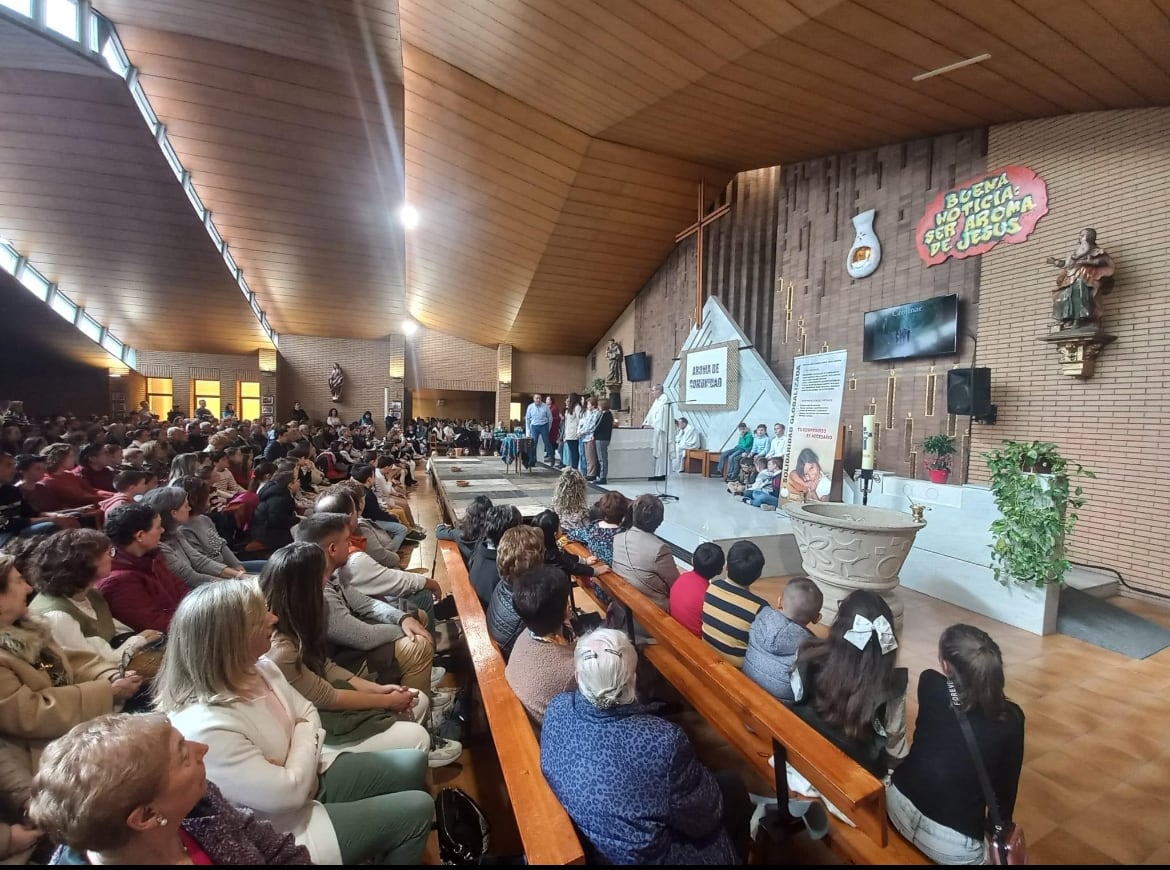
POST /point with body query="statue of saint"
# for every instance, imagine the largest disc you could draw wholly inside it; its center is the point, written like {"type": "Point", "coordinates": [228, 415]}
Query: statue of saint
{"type": "Point", "coordinates": [613, 353]}
{"type": "Point", "coordinates": [336, 382]}
{"type": "Point", "coordinates": [1085, 275]}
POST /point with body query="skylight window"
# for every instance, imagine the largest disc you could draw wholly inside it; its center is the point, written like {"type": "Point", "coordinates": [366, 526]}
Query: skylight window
{"type": "Point", "coordinates": [115, 56]}
{"type": "Point", "coordinates": [130, 357]}
{"type": "Point", "coordinates": [35, 282]}
{"type": "Point", "coordinates": [61, 17]}
{"type": "Point", "coordinates": [64, 306]}
{"type": "Point", "coordinates": [111, 345]}
{"type": "Point", "coordinates": [231, 264]}
{"type": "Point", "coordinates": [90, 327]}
{"type": "Point", "coordinates": [20, 7]}
{"type": "Point", "coordinates": [209, 224]}
{"type": "Point", "coordinates": [144, 106]}
{"type": "Point", "coordinates": [196, 202]}
{"type": "Point", "coordinates": [8, 258]}
{"type": "Point", "coordinates": [169, 152]}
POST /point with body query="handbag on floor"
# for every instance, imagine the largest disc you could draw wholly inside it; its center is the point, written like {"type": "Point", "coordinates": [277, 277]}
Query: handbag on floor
{"type": "Point", "coordinates": [464, 831]}
{"type": "Point", "coordinates": [1005, 840]}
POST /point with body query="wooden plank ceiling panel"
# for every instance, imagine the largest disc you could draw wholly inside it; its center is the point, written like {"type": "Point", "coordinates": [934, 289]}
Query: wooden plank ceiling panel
{"type": "Point", "coordinates": [477, 158]}
{"type": "Point", "coordinates": [615, 241]}
{"type": "Point", "coordinates": [115, 230]}
{"type": "Point", "coordinates": [337, 211]}
{"type": "Point", "coordinates": [551, 147]}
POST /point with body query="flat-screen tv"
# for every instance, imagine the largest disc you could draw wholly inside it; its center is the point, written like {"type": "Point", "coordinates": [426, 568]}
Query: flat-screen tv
{"type": "Point", "coordinates": [916, 329]}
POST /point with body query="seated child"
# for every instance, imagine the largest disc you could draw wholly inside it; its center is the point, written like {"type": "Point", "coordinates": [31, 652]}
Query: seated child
{"type": "Point", "coordinates": [777, 634]}
{"type": "Point", "coordinates": [128, 485]}
{"type": "Point", "coordinates": [689, 590]}
{"type": "Point", "coordinates": [737, 487]}
{"type": "Point", "coordinates": [761, 491]}
{"type": "Point", "coordinates": [730, 606]}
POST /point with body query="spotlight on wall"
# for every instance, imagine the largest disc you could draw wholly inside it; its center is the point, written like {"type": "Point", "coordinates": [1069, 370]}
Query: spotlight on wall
{"type": "Point", "coordinates": [409, 327]}
{"type": "Point", "coordinates": [408, 214]}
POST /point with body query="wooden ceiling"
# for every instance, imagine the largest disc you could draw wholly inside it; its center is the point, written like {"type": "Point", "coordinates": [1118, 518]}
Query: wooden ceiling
{"type": "Point", "coordinates": [552, 148]}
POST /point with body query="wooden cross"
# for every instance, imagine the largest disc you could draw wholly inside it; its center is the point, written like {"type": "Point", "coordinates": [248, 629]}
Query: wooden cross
{"type": "Point", "coordinates": [696, 229]}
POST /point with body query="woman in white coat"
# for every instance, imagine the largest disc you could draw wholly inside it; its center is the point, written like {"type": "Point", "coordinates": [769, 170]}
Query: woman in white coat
{"type": "Point", "coordinates": [265, 741]}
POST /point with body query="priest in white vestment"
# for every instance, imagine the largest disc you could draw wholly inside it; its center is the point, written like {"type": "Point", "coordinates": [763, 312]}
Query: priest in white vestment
{"type": "Point", "coordinates": [686, 438]}
{"type": "Point", "coordinates": [658, 419]}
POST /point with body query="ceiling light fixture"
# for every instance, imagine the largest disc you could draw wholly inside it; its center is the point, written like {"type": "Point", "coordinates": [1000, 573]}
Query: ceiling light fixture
{"type": "Point", "coordinates": [951, 67]}
{"type": "Point", "coordinates": [409, 216]}
{"type": "Point", "coordinates": [409, 327]}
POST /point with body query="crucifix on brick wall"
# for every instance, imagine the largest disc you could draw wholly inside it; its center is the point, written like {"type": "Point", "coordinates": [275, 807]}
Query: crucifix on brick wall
{"type": "Point", "coordinates": [696, 229]}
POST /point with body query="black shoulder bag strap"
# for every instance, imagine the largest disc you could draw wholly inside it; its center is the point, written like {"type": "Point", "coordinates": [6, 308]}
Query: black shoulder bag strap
{"type": "Point", "coordinates": [997, 825]}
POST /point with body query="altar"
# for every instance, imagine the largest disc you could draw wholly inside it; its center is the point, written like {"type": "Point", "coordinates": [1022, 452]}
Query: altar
{"type": "Point", "coordinates": [631, 453]}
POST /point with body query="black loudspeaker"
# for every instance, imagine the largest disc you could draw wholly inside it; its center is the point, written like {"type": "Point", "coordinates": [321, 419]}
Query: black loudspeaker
{"type": "Point", "coordinates": [637, 367]}
{"type": "Point", "coordinates": [969, 393]}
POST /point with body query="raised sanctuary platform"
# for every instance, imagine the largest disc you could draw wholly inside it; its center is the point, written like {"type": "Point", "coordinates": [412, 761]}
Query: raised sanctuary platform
{"type": "Point", "coordinates": [704, 512]}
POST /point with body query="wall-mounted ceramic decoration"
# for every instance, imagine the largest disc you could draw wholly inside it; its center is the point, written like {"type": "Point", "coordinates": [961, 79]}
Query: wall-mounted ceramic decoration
{"type": "Point", "coordinates": [866, 253]}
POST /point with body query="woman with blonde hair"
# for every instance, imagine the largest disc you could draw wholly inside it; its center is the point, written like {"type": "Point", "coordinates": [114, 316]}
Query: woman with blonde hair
{"type": "Point", "coordinates": [265, 740]}
{"type": "Point", "coordinates": [570, 500]}
{"type": "Point", "coordinates": [186, 465]}
{"type": "Point", "coordinates": [124, 789]}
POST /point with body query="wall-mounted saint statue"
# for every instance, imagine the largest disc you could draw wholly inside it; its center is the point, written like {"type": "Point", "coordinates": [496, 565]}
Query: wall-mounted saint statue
{"type": "Point", "coordinates": [1086, 275]}
{"type": "Point", "coordinates": [336, 382]}
{"type": "Point", "coordinates": [613, 353]}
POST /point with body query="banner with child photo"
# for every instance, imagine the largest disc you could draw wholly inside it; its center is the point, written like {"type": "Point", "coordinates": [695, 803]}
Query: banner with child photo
{"type": "Point", "coordinates": [818, 385]}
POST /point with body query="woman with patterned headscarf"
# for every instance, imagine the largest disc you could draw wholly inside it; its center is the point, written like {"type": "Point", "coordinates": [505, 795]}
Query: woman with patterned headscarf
{"type": "Point", "coordinates": [639, 795]}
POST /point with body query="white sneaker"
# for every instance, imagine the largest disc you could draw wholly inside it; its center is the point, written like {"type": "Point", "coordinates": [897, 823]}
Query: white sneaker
{"type": "Point", "coordinates": [437, 675]}
{"type": "Point", "coordinates": [441, 703]}
{"type": "Point", "coordinates": [443, 751]}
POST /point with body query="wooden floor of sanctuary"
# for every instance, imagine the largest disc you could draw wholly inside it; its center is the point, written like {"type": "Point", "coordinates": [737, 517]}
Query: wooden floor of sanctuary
{"type": "Point", "coordinates": [1095, 788]}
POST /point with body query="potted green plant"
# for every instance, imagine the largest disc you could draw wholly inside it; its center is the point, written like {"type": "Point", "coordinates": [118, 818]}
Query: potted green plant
{"type": "Point", "coordinates": [1038, 504]}
{"type": "Point", "coordinates": [596, 388]}
{"type": "Point", "coordinates": [942, 448]}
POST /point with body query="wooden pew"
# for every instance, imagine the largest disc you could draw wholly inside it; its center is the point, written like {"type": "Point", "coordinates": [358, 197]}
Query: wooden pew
{"type": "Point", "coordinates": [545, 828]}
{"type": "Point", "coordinates": [748, 718]}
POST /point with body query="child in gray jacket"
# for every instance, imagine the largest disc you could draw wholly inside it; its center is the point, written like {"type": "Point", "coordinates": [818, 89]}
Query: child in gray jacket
{"type": "Point", "coordinates": [776, 636]}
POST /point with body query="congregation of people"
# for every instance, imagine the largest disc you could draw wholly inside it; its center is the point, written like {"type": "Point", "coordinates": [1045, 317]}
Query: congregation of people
{"type": "Point", "coordinates": [640, 794]}
{"type": "Point", "coordinates": [210, 651]}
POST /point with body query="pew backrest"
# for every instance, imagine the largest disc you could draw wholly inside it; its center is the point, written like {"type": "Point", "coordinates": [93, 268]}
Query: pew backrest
{"type": "Point", "coordinates": [545, 828]}
{"type": "Point", "coordinates": [749, 717]}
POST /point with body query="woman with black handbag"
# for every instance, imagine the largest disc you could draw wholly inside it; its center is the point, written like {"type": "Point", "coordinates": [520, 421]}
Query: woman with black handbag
{"type": "Point", "coordinates": [968, 736]}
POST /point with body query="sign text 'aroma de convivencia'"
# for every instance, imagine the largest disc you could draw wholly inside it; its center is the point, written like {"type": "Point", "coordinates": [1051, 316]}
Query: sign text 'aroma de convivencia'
{"type": "Point", "coordinates": [1003, 205]}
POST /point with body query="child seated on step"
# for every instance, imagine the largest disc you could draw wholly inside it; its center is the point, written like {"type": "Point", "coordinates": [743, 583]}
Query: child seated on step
{"type": "Point", "coordinates": [776, 635]}
{"type": "Point", "coordinates": [762, 490]}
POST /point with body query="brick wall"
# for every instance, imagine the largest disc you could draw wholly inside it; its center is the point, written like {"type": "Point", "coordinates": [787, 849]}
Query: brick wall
{"type": "Point", "coordinates": [443, 362]}
{"type": "Point", "coordinates": [796, 224]}
{"type": "Point", "coordinates": [1109, 171]}
{"type": "Point", "coordinates": [183, 368]}
{"type": "Point", "coordinates": [547, 373]}
{"type": "Point", "coordinates": [370, 367]}
{"type": "Point", "coordinates": [625, 331]}
{"type": "Point", "coordinates": [814, 234]}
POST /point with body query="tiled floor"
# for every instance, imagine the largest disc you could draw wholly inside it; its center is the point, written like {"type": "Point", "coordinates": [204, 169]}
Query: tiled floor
{"type": "Point", "coordinates": [1096, 782]}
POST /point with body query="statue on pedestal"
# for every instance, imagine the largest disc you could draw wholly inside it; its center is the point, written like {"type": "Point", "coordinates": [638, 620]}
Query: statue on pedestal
{"type": "Point", "coordinates": [1086, 274]}
{"type": "Point", "coordinates": [336, 382]}
{"type": "Point", "coordinates": [613, 353]}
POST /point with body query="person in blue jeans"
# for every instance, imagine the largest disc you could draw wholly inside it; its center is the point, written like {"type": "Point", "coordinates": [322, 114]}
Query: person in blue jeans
{"type": "Point", "coordinates": [602, 435]}
{"type": "Point", "coordinates": [762, 490]}
{"type": "Point", "coordinates": [729, 458]}
{"type": "Point", "coordinates": [537, 422]}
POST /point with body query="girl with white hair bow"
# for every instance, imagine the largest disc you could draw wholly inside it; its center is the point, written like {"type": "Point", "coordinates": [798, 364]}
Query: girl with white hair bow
{"type": "Point", "coordinates": [849, 688]}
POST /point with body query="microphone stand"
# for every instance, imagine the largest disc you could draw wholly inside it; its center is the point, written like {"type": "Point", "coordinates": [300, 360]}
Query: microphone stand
{"type": "Point", "coordinates": [665, 494]}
